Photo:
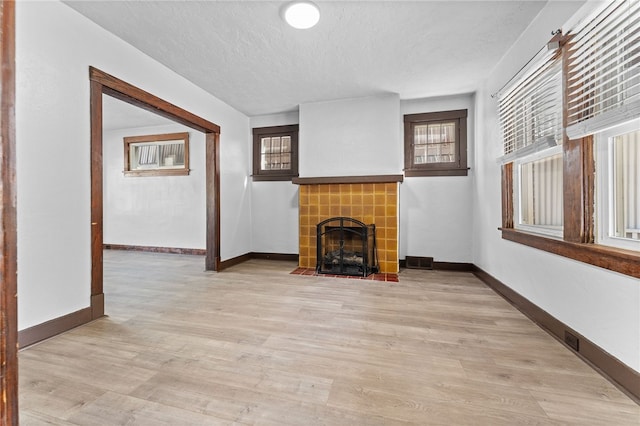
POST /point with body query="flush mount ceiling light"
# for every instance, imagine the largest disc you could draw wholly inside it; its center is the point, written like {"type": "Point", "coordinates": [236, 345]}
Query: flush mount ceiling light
{"type": "Point", "coordinates": [301, 14]}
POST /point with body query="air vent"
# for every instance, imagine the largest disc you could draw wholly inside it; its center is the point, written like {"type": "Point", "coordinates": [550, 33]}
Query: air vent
{"type": "Point", "coordinates": [416, 262]}
{"type": "Point", "coordinates": [572, 341]}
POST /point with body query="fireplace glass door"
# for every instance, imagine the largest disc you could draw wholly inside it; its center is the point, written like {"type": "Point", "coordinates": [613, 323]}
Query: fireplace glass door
{"type": "Point", "coordinates": [346, 246]}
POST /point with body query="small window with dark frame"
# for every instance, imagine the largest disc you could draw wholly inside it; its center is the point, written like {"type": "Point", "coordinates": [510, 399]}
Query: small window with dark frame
{"type": "Point", "coordinates": [435, 144]}
{"type": "Point", "coordinates": [275, 153]}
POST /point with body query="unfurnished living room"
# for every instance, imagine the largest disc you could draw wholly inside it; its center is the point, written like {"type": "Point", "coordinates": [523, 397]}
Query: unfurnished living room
{"type": "Point", "coordinates": [320, 212]}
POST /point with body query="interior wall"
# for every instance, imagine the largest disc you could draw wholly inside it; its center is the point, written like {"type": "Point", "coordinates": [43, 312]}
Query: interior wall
{"type": "Point", "coordinates": [601, 305]}
{"type": "Point", "coordinates": [274, 219]}
{"type": "Point", "coordinates": [436, 211]}
{"type": "Point", "coordinates": [54, 48]}
{"type": "Point", "coordinates": [157, 211]}
{"type": "Point", "coordinates": [351, 137]}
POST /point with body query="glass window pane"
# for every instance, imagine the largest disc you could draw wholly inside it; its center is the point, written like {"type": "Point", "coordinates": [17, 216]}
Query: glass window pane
{"type": "Point", "coordinates": [286, 144]}
{"type": "Point", "coordinates": [265, 145]}
{"type": "Point", "coordinates": [541, 192]}
{"type": "Point", "coordinates": [420, 135]}
{"type": "Point", "coordinates": [420, 154]}
{"type": "Point", "coordinates": [626, 185]}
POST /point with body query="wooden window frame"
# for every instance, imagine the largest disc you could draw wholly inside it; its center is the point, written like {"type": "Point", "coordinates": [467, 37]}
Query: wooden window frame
{"type": "Point", "coordinates": [578, 200]}
{"type": "Point", "coordinates": [132, 140]}
{"type": "Point", "coordinates": [274, 131]}
{"type": "Point", "coordinates": [411, 169]}
{"type": "Point", "coordinates": [577, 242]}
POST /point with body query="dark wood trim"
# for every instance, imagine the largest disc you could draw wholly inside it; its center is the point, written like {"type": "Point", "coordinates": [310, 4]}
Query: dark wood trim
{"type": "Point", "coordinates": [275, 256]}
{"type": "Point", "coordinates": [348, 179]}
{"type": "Point", "coordinates": [212, 154]}
{"type": "Point", "coordinates": [254, 255]}
{"type": "Point", "coordinates": [610, 367]}
{"type": "Point", "coordinates": [413, 169]}
{"type": "Point", "coordinates": [8, 236]}
{"type": "Point", "coordinates": [507, 195]}
{"type": "Point", "coordinates": [578, 190]}
{"type": "Point", "coordinates": [172, 250]}
{"type": "Point", "coordinates": [447, 172]}
{"type": "Point", "coordinates": [453, 266]}
{"type": "Point", "coordinates": [224, 264]}
{"type": "Point", "coordinates": [48, 329]}
{"type": "Point", "coordinates": [274, 175]}
{"type": "Point", "coordinates": [443, 266]}
{"type": "Point", "coordinates": [103, 83]}
{"type": "Point", "coordinates": [97, 305]}
{"type": "Point", "coordinates": [626, 262]}
{"type": "Point", "coordinates": [135, 96]}
{"type": "Point", "coordinates": [96, 190]}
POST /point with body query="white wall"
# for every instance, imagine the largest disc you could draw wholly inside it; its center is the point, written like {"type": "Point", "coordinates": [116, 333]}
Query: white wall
{"type": "Point", "coordinates": [351, 137]}
{"type": "Point", "coordinates": [274, 219]}
{"type": "Point", "coordinates": [158, 211]}
{"type": "Point", "coordinates": [601, 305]}
{"type": "Point", "coordinates": [436, 211]}
{"type": "Point", "coordinates": [54, 48]}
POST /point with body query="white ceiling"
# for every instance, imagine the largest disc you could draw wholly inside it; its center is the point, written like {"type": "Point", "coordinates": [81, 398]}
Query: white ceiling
{"type": "Point", "coordinates": [243, 53]}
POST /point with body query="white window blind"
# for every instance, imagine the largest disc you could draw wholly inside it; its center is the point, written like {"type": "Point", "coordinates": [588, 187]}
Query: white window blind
{"type": "Point", "coordinates": [604, 69]}
{"type": "Point", "coordinates": [531, 110]}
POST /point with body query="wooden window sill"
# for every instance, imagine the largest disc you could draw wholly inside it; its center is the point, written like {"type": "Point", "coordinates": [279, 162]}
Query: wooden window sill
{"type": "Point", "coordinates": [623, 261]}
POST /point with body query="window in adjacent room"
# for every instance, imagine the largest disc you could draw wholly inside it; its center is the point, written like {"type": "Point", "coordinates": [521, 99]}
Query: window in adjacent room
{"type": "Point", "coordinates": [618, 180]}
{"type": "Point", "coordinates": [157, 155]}
{"type": "Point", "coordinates": [275, 153]}
{"type": "Point", "coordinates": [435, 144]}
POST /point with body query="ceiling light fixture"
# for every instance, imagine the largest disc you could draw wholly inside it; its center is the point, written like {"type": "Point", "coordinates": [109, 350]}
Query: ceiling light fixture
{"type": "Point", "coordinates": [301, 14]}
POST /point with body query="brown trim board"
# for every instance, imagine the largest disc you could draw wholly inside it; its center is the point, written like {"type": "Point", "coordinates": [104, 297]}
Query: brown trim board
{"type": "Point", "coordinates": [153, 249]}
{"type": "Point", "coordinates": [606, 364]}
{"type": "Point", "coordinates": [257, 255]}
{"type": "Point", "coordinates": [102, 84]}
{"type": "Point", "coordinates": [43, 331]}
{"type": "Point", "coordinates": [347, 179]}
{"type": "Point", "coordinates": [8, 236]}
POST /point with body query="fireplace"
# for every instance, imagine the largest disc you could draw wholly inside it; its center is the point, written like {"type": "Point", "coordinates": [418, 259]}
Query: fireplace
{"type": "Point", "coordinates": [346, 246]}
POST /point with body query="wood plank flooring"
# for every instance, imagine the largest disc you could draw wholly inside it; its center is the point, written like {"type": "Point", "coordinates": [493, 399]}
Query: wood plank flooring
{"type": "Point", "coordinates": [257, 345]}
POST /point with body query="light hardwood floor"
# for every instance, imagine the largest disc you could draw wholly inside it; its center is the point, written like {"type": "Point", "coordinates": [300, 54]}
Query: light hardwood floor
{"type": "Point", "coordinates": [256, 345]}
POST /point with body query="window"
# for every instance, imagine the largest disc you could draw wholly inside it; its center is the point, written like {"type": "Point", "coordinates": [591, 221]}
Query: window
{"type": "Point", "coordinates": [600, 149]}
{"type": "Point", "coordinates": [618, 180]}
{"type": "Point", "coordinates": [157, 155]}
{"type": "Point", "coordinates": [275, 153]}
{"type": "Point", "coordinates": [538, 194]}
{"type": "Point", "coordinates": [531, 117]}
{"type": "Point", "coordinates": [435, 144]}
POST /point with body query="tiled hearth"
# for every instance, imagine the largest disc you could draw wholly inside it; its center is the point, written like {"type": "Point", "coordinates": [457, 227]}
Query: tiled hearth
{"type": "Point", "coordinates": [371, 203]}
{"type": "Point", "coordinates": [373, 277]}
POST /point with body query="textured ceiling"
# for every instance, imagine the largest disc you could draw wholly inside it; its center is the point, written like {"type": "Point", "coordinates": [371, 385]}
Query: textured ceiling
{"type": "Point", "coordinates": [243, 53]}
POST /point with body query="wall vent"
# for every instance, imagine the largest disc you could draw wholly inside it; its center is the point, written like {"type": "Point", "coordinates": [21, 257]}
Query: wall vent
{"type": "Point", "coordinates": [416, 262]}
{"type": "Point", "coordinates": [572, 341]}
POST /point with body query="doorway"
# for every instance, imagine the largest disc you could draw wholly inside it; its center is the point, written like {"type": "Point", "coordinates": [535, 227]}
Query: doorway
{"type": "Point", "coordinates": [105, 84]}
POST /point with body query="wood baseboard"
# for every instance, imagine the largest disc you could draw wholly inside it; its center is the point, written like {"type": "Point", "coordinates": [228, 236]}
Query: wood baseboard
{"type": "Point", "coordinates": [624, 377]}
{"type": "Point", "coordinates": [275, 256]}
{"type": "Point", "coordinates": [48, 329]}
{"type": "Point", "coordinates": [173, 250]}
{"type": "Point", "coordinates": [256, 255]}
{"type": "Point", "coordinates": [224, 264]}
{"type": "Point", "coordinates": [445, 266]}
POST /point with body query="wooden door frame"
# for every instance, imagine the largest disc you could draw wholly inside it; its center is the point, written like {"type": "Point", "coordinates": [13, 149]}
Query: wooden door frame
{"type": "Point", "coordinates": [105, 84]}
{"type": "Point", "coordinates": [8, 234]}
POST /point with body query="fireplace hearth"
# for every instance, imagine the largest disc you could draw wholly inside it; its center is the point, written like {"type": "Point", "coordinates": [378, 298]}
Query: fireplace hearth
{"type": "Point", "coordinates": [346, 246]}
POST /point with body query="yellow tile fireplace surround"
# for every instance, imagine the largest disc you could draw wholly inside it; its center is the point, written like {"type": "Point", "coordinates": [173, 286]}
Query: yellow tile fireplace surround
{"type": "Point", "coordinates": [369, 199]}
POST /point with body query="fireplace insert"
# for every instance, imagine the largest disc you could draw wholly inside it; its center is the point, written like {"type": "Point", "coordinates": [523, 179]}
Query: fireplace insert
{"type": "Point", "coordinates": [346, 246]}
